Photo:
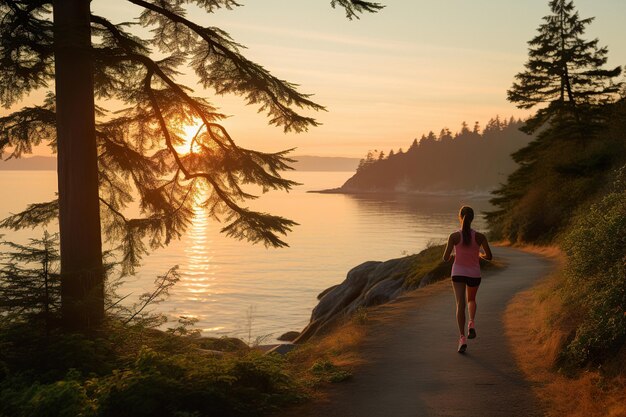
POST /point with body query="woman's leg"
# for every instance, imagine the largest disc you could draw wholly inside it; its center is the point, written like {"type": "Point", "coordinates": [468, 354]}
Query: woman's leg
{"type": "Point", "coordinates": [471, 301]}
{"type": "Point", "coordinates": [459, 294]}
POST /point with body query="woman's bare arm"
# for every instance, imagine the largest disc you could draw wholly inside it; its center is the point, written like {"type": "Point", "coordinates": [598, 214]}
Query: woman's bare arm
{"type": "Point", "coordinates": [447, 254]}
{"type": "Point", "coordinates": [485, 245]}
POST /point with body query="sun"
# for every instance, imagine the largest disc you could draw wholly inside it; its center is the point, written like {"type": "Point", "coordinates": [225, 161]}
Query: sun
{"type": "Point", "coordinates": [190, 131]}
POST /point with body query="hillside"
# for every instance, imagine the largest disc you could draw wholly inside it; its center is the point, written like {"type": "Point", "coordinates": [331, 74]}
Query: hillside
{"type": "Point", "coordinates": [470, 160]}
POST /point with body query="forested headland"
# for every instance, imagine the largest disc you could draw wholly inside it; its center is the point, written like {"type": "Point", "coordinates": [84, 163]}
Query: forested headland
{"type": "Point", "coordinates": [472, 159]}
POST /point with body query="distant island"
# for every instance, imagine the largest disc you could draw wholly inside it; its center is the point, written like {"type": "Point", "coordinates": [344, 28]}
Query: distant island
{"type": "Point", "coordinates": [472, 160]}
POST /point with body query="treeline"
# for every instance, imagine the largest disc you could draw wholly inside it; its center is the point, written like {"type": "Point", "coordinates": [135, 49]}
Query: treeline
{"type": "Point", "coordinates": [560, 174]}
{"type": "Point", "coordinates": [471, 159]}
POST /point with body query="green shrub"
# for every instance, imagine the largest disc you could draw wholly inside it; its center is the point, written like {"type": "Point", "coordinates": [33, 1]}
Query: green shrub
{"type": "Point", "coordinates": [160, 385]}
{"type": "Point", "coordinates": [156, 381]}
{"type": "Point", "coordinates": [326, 371]}
{"type": "Point", "coordinates": [595, 282]}
{"type": "Point", "coordinates": [66, 398]}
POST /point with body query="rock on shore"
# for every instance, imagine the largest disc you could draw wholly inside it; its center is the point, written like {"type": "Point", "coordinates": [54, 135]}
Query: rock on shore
{"type": "Point", "coordinates": [373, 283]}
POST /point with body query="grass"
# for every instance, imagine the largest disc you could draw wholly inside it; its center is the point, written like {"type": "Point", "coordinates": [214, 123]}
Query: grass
{"type": "Point", "coordinates": [541, 325]}
{"type": "Point", "coordinates": [330, 358]}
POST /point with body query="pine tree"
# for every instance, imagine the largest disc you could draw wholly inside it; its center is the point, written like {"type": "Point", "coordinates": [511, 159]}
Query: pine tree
{"type": "Point", "coordinates": [464, 128]}
{"type": "Point", "coordinates": [29, 280]}
{"type": "Point", "coordinates": [572, 154]}
{"type": "Point", "coordinates": [445, 135]}
{"type": "Point", "coordinates": [108, 158]}
{"type": "Point", "coordinates": [563, 70]}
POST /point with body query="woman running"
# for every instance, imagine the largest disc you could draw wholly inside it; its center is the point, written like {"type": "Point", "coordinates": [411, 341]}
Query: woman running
{"type": "Point", "coordinates": [466, 270]}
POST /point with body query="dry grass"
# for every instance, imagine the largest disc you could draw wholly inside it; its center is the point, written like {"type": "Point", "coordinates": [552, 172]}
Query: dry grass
{"type": "Point", "coordinates": [341, 346]}
{"type": "Point", "coordinates": [537, 321]}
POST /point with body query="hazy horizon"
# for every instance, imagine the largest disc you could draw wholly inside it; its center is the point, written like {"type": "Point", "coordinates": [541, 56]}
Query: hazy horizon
{"type": "Point", "coordinates": [388, 77]}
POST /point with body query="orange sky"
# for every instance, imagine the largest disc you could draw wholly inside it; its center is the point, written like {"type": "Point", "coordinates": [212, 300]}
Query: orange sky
{"type": "Point", "coordinates": [389, 77]}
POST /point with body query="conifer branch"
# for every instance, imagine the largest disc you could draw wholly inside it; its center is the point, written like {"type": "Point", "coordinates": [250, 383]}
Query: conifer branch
{"type": "Point", "coordinates": [35, 215]}
{"type": "Point", "coordinates": [355, 7]}
{"type": "Point", "coordinates": [219, 64]}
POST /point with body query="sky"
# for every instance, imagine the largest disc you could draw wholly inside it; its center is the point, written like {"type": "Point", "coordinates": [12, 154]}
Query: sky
{"type": "Point", "coordinates": [391, 76]}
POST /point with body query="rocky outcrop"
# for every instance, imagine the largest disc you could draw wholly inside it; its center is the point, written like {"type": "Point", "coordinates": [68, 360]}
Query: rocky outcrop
{"type": "Point", "coordinates": [369, 284]}
{"type": "Point", "coordinates": [288, 336]}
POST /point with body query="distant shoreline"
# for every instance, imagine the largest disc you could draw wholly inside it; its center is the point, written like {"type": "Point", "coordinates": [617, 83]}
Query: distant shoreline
{"type": "Point", "coordinates": [304, 163]}
{"type": "Point", "coordinates": [34, 163]}
{"type": "Point", "coordinates": [439, 193]}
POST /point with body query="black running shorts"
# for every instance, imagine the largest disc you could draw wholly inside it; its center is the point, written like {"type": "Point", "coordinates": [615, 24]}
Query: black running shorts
{"type": "Point", "coordinates": [469, 281]}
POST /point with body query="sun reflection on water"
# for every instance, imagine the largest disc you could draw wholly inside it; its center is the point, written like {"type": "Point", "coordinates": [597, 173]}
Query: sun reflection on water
{"type": "Point", "coordinates": [199, 271]}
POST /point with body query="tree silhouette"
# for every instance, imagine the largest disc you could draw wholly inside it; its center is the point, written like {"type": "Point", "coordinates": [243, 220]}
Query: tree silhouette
{"type": "Point", "coordinates": [29, 280]}
{"type": "Point", "coordinates": [563, 70]}
{"type": "Point", "coordinates": [106, 159]}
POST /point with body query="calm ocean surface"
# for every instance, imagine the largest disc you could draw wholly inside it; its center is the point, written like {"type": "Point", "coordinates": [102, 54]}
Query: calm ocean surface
{"type": "Point", "coordinates": [237, 289]}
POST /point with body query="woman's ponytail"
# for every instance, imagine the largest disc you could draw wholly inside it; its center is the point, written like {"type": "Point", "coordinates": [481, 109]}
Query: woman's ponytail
{"type": "Point", "coordinates": [467, 215]}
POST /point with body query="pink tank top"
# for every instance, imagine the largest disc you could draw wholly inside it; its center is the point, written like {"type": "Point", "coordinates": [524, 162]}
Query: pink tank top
{"type": "Point", "coordinates": [466, 258]}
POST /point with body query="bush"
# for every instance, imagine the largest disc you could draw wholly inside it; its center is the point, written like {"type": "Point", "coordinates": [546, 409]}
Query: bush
{"type": "Point", "coordinates": [326, 371]}
{"type": "Point", "coordinates": [595, 280]}
{"type": "Point", "coordinates": [66, 398]}
{"type": "Point", "coordinates": [160, 379]}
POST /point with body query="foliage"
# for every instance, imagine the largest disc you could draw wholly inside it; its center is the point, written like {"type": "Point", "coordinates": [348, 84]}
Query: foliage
{"type": "Point", "coordinates": [137, 313]}
{"type": "Point", "coordinates": [421, 167]}
{"type": "Point", "coordinates": [30, 287]}
{"type": "Point", "coordinates": [559, 174]}
{"type": "Point", "coordinates": [326, 371]}
{"type": "Point", "coordinates": [29, 279]}
{"type": "Point", "coordinates": [157, 385]}
{"type": "Point", "coordinates": [595, 279]}
{"type": "Point", "coordinates": [139, 148]}
{"type": "Point", "coordinates": [580, 131]}
{"type": "Point", "coordinates": [127, 367]}
{"type": "Point", "coordinates": [130, 370]}
{"type": "Point", "coordinates": [563, 70]}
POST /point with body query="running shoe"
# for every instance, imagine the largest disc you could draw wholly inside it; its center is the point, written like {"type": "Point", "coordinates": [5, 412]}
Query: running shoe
{"type": "Point", "coordinates": [462, 344]}
{"type": "Point", "coordinates": [471, 331]}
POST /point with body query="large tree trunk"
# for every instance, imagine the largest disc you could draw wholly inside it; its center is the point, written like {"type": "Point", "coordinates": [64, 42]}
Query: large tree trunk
{"type": "Point", "coordinates": [82, 275]}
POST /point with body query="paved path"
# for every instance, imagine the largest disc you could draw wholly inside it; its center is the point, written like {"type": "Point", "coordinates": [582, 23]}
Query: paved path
{"type": "Point", "coordinates": [412, 368]}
